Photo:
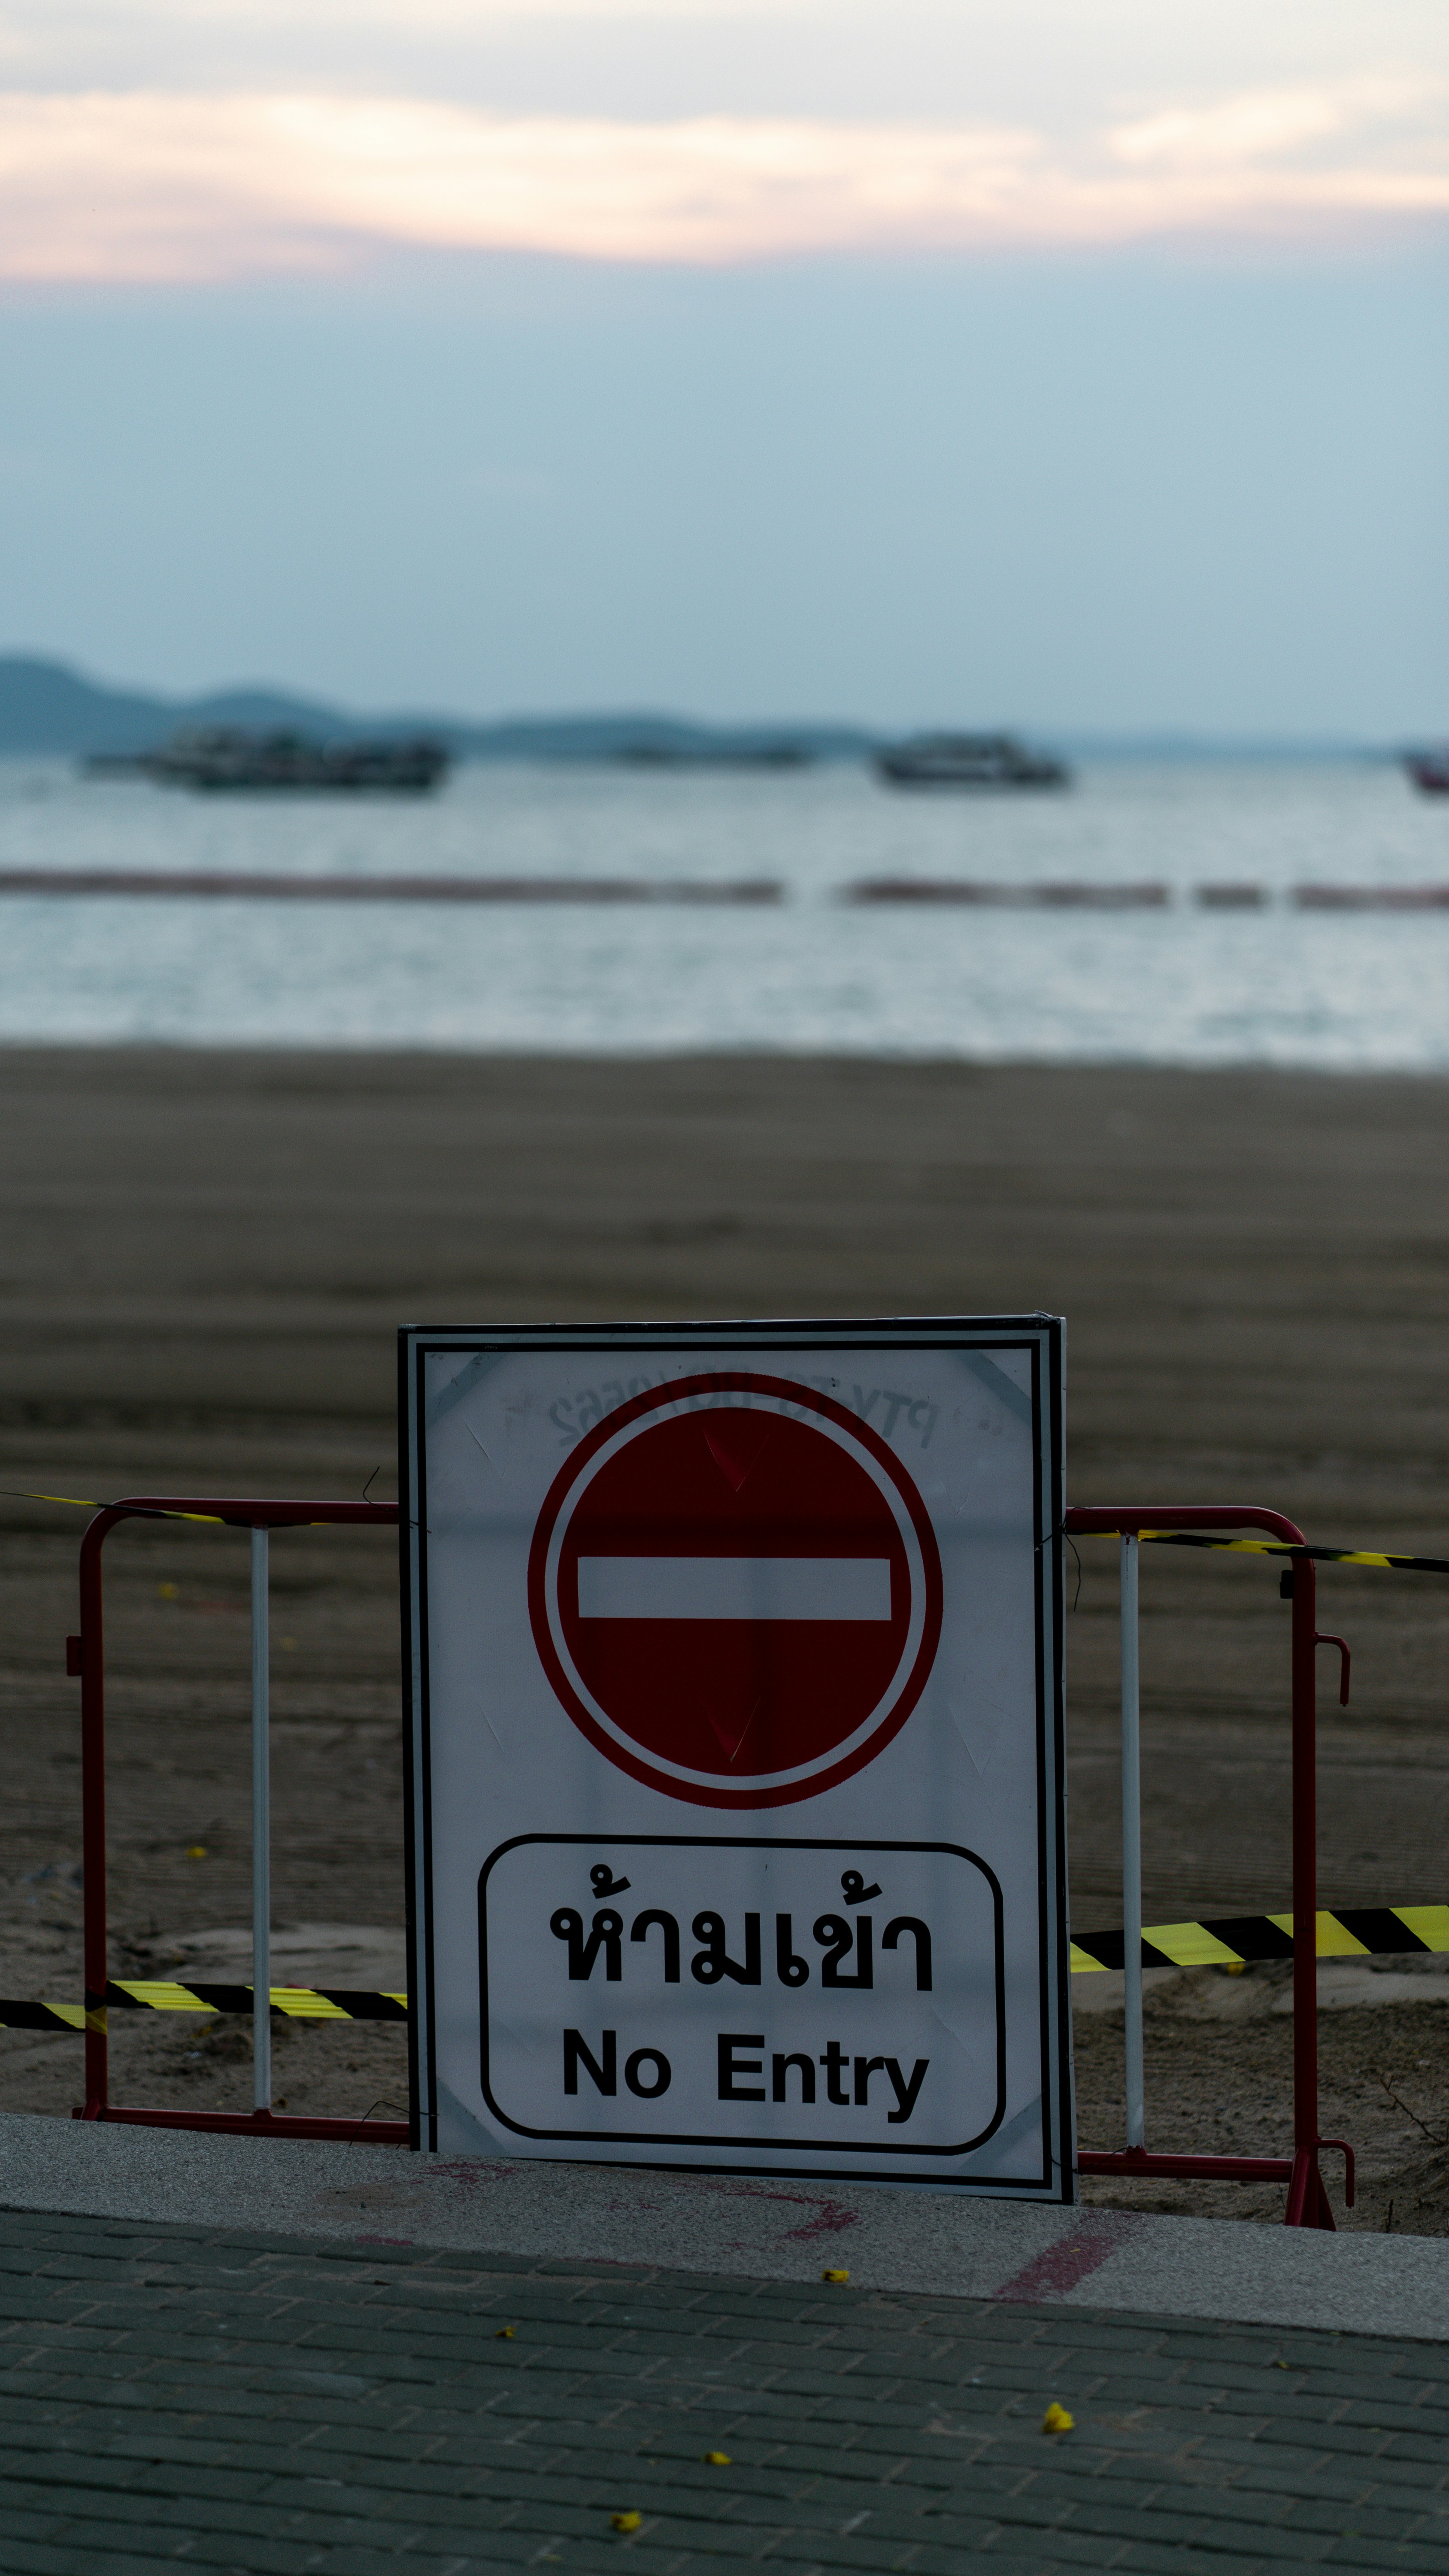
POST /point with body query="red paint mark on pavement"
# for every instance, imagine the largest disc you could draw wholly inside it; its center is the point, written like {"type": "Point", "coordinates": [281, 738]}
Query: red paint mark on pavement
{"type": "Point", "coordinates": [1060, 2267]}
{"type": "Point", "coordinates": [468, 2172]}
{"type": "Point", "coordinates": [831, 2215]}
{"type": "Point", "coordinates": [832, 2218]}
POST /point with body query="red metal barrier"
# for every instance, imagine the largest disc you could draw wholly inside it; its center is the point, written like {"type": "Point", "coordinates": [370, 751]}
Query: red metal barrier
{"type": "Point", "coordinates": [90, 1662]}
{"type": "Point", "coordinates": [1308, 2204]}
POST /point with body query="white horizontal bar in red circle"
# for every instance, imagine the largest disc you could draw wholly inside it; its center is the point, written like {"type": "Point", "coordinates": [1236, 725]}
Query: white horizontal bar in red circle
{"type": "Point", "coordinates": [734, 1587]}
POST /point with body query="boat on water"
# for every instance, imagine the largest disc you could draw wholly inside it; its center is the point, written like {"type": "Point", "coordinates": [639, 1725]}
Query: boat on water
{"type": "Point", "coordinates": [1429, 771]}
{"type": "Point", "coordinates": [967, 760]}
{"type": "Point", "coordinates": [226, 759]}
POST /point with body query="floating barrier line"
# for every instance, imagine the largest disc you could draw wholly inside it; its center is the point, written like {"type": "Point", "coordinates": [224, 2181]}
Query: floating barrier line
{"type": "Point", "coordinates": [1153, 894]}
{"type": "Point", "coordinates": [1385, 898]}
{"type": "Point", "coordinates": [1280, 1547]}
{"type": "Point", "coordinates": [1041, 894]}
{"type": "Point", "coordinates": [1044, 894]}
{"type": "Point", "coordinates": [149, 1994]}
{"type": "Point", "coordinates": [1235, 1940]}
{"type": "Point", "coordinates": [364, 889]}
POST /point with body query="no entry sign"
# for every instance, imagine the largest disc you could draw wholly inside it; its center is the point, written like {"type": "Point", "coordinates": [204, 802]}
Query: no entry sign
{"type": "Point", "coordinates": [736, 1604]}
{"type": "Point", "coordinates": [736, 1832]}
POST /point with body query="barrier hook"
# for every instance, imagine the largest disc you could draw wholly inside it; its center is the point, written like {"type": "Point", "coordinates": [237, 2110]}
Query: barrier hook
{"type": "Point", "coordinates": [1342, 1644]}
{"type": "Point", "coordinates": [1346, 2151]}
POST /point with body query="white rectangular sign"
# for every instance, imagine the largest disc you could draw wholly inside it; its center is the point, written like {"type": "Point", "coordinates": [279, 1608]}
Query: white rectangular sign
{"type": "Point", "coordinates": [736, 1812]}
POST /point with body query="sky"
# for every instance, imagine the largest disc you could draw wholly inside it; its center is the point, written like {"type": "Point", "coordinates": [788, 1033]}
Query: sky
{"type": "Point", "coordinates": [1060, 362]}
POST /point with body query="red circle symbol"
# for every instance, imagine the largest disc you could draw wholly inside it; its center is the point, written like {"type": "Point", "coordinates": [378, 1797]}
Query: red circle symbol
{"type": "Point", "coordinates": [735, 1590]}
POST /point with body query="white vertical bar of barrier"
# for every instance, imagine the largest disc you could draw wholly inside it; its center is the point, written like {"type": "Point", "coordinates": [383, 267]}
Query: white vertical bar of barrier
{"type": "Point", "coordinates": [1132, 1848]}
{"type": "Point", "coordinates": [261, 1825]}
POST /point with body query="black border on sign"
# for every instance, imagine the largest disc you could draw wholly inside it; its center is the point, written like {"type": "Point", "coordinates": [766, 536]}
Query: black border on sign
{"type": "Point", "coordinates": [416, 1765]}
{"type": "Point", "coordinates": [1042, 1336]}
{"type": "Point", "coordinates": [748, 1842]}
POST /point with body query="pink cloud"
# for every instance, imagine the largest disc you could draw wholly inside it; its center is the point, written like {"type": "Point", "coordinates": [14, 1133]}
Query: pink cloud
{"type": "Point", "coordinates": [158, 186]}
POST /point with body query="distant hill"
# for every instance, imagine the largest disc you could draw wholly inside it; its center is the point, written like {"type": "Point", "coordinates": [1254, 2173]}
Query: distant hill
{"type": "Point", "coordinates": [45, 707]}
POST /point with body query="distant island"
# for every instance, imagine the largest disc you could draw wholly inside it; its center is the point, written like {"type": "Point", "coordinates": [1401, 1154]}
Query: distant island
{"type": "Point", "coordinates": [49, 709]}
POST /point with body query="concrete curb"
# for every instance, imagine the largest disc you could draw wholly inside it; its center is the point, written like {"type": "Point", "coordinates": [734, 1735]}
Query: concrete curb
{"type": "Point", "coordinates": [789, 2230]}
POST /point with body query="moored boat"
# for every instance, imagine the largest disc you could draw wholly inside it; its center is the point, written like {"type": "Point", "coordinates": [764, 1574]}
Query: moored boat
{"type": "Point", "coordinates": [224, 758]}
{"type": "Point", "coordinates": [968, 760]}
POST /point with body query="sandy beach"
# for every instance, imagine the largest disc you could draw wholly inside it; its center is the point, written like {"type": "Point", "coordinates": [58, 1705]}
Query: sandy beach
{"type": "Point", "coordinates": [206, 1257]}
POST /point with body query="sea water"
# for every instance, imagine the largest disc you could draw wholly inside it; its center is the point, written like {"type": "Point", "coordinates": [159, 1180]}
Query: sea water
{"type": "Point", "coordinates": [1181, 985]}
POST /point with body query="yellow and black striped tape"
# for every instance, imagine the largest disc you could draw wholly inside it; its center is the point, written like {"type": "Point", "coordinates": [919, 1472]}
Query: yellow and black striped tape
{"type": "Point", "coordinates": [302, 2003]}
{"type": "Point", "coordinates": [1355, 1932]}
{"type": "Point", "coordinates": [1233, 1940]}
{"type": "Point", "coordinates": [1280, 1547]}
{"type": "Point", "coordinates": [88, 1503]}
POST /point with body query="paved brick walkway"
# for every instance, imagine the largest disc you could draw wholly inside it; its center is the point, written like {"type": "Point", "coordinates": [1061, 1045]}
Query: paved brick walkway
{"type": "Point", "coordinates": [237, 2402]}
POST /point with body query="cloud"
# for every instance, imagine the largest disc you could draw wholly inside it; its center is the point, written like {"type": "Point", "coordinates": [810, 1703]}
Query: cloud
{"type": "Point", "coordinates": [152, 185]}
{"type": "Point", "coordinates": [1259, 125]}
